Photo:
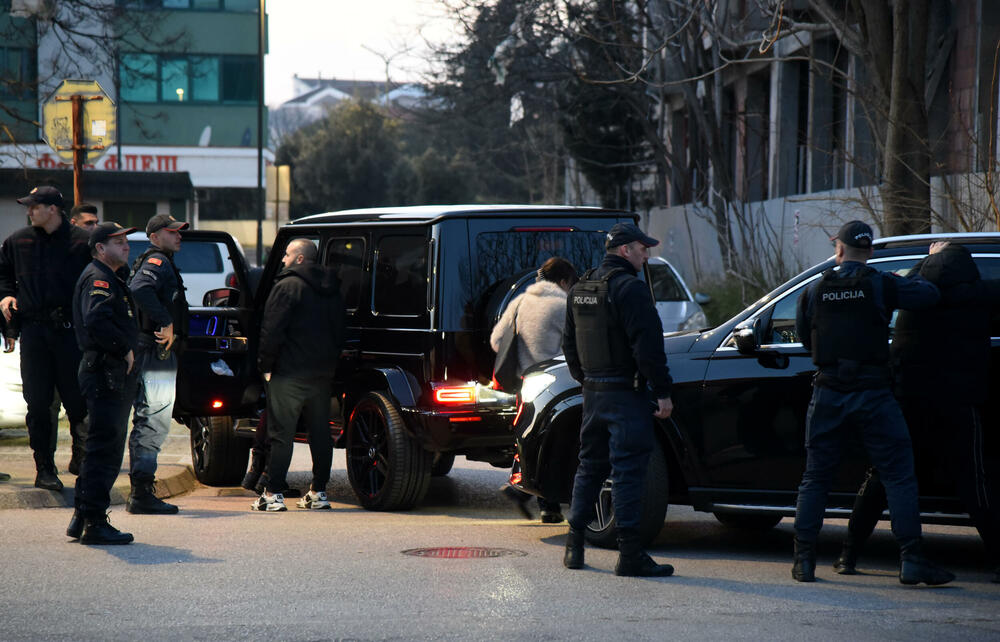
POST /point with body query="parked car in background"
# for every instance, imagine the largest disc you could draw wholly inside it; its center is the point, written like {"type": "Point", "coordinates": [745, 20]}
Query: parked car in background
{"type": "Point", "coordinates": [679, 310]}
{"type": "Point", "coordinates": [423, 287]}
{"type": "Point", "coordinates": [734, 445]}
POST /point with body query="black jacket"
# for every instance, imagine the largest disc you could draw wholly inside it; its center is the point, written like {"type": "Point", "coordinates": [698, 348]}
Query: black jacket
{"type": "Point", "coordinates": [158, 291]}
{"type": "Point", "coordinates": [633, 303]}
{"type": "Point", "coordinates": [944, 352]}
{"type": "Point", "coordinates": [40, 269]}
{"type": "Point", "coordinates": [103, 313]}
{"type": "Point", "coordinates": [302, 331]}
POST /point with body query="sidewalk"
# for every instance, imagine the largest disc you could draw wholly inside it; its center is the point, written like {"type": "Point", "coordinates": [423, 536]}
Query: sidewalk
{"type": "Point", "coordinates": [174, 475]}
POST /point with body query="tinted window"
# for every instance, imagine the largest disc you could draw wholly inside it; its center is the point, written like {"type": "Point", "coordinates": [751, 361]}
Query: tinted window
{"type": "Point", "coordinates": [346, 258]}
{"type": "Point", "coordinates": [665, 284]}
{"type": "Point", "coordinates": [400, 287]}
{"type": "Point", "coordinates": [193, 258]}
{"type": "Point", "coordinates": [500, 255]}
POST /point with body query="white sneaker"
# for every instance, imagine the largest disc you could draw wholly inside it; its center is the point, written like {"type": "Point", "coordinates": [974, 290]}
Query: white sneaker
{"type": "Point", "coordinates": [315, 500]}
{"type": "Point", "coordinates": [272, 504]}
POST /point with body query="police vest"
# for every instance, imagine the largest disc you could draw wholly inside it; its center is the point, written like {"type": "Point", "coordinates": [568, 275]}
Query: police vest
{"type": "Point", "coordinates": [600, 338]}
{"type": "Point", "coordinates": [177, 306]}
{"type": "Point", "coordinates": [847, 322]}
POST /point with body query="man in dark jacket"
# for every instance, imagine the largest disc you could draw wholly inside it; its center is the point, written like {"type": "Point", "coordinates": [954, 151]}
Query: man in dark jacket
{"type": "Point", "coordinates": [942, 360]}
{"type": "Point", "coordinates": [613, 342]}
{"type": "Point", "coordinates": [39, 266]}
{"type": "Point", "coordinates": [104, 319]}
{"type": "Point", "coordinates": [300, 339]}
{"type": "Point", "coordinates": [843, 319]}
{"type": "Point", "coordinates": [158, 291]}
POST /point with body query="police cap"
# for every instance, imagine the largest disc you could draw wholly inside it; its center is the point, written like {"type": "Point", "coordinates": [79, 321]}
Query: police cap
{"type": "Point", "coordinates": [623, 233]}
{"type": "Point", "coordinates": [43, 195]}
{"type": "Point", "coordinates": [164, 222]}
{"type": "Point", "coordinates": [856, 234]}
{"type": "Point", "coordinates": [106, 230]}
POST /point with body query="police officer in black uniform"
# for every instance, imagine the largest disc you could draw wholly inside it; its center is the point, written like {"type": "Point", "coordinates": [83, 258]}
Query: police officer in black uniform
{"type": "Point", "coordinates": [844, 319]}
{"type": "Point", "coordinates": [158, 290]}
{"type": "Point", "coordinates": [941, 367]}
{"type": "Point", "coordinates": [106, 329]}
{"type": "Point", "coordinates": [613, 342]}
{"type": "Point", "coordinates": [38, 266]}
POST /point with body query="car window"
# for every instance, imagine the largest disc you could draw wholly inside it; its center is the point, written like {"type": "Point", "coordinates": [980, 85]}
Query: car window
{"type": "Point", "coordinates": [665, 284]}
{"type": "Point", "coordinates": [194, 257]}
{"type": "Point", "coordinates": [400, 276]}
{"type": "Point", "coordinates": [346, 257]}
{"type": "Point", "coordinates": [781, 327]}
{"type": "Point", "coordinates": [499, 255]}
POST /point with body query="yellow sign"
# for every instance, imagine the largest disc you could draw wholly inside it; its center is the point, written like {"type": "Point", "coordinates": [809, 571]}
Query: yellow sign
{"type": "Point", "coordinates": [98, 119]}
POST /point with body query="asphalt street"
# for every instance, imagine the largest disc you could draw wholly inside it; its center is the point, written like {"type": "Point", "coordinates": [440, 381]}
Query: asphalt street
{"type": "Point", "coordinates": [219, 571]}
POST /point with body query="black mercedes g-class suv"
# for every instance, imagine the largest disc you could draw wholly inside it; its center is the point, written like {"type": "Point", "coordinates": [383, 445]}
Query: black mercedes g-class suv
{"type": "Point", "coordinates": [423, 287]}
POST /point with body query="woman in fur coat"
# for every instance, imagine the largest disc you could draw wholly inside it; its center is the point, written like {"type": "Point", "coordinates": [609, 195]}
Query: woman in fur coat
{"type": "Point", "coordinates": [541, 315]}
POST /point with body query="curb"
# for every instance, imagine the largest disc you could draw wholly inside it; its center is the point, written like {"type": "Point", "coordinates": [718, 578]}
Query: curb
{"type": "Point", "coordinates": [172, 480]}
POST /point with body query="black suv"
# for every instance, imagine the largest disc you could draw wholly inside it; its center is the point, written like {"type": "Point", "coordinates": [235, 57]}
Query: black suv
{"type": "Point", "coordinates": [423, 287]}
{"type": "Point", "coordinates": [734, 445]}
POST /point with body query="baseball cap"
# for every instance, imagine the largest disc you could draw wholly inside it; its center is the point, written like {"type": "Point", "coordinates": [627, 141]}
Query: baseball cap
{"type": "Point", "coordinates": [856, 234]}
{"type": "Point", "coordinates": [106, 230]}
{"type": "Point", "coordinates": [43, 195]}
{"type": "Point", "coordinates": [623, 233]}
{"type": "Point", "coordinates": [164, 222]}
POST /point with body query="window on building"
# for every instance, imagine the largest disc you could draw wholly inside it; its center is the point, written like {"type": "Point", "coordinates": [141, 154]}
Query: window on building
{"type": "Point", "coordinates": [197, 5]}
{"type": "Point", "coordinates": [17, 73]}
{"type": "Point", "coordinates": [151, 78]}
{"type": "Point", "coordinates": [400, 287]}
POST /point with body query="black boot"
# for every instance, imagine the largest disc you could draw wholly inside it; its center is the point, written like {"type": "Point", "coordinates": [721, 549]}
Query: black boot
{"type": "Point", "coordinates": [75, 460]}
{"type": "Point", "coordinates": [573, 557]}
{"type": "Point", "coordinates": [847, 563]}
{"type": "Point", "coordinates": [46, 478]}
{"type": "Point", "coordinates": [257, 462]}
{"type": "Point", "coordinates": [143, 500]}
{"type": "Point", "coordinates": [914, 568]}
{"type": "Point", "coordinates": [804, 568]}
{"type": "Point", "coordinates": [97, 530]}
{"type": "Point", "coordinates": [634, 562]}
{"type": "Point", "coordinates": [75, 527]}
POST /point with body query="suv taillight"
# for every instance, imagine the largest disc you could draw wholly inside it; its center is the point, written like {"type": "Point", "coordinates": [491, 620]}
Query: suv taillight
{"type": "Point", "coordinates": [470, 394]}
{"type": "Point", "coordinates": [449, 395]}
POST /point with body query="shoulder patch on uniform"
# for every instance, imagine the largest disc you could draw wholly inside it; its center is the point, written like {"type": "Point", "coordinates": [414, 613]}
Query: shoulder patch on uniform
{"type": "Point", "coordinates": [155, 261]}
{"type": "Point", "coordinates": [101, 284]}
{"type": "Point", "coordinates": [101, 292]}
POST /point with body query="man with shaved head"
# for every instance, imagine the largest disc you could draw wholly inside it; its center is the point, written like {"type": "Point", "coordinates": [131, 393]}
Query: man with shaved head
{"type": "Point", "coordinates": [300, 338]}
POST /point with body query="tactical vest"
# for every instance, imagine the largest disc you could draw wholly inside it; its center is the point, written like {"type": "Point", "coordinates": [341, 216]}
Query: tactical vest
{"type": "Point", "coordinates": [600, 339]}
{"type": "Point", "coordinates": [177, 305]}
{"type": "Point", "coordinates": [847, 323]}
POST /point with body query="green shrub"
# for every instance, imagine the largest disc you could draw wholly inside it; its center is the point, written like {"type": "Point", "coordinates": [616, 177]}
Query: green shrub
{"type": "Point", "coordinates": [729, 297]}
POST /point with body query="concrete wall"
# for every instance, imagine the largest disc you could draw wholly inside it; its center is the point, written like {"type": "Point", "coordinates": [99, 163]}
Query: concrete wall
{"type": "Point", "coordinates": [799, 227]}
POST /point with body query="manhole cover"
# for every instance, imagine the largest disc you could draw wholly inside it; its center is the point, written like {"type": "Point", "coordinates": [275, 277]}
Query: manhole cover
{"type": "Point", "coordinates": [463, 552]}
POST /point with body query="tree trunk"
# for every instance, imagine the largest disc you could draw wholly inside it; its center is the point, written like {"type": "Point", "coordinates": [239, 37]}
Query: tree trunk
{"type": "Point", "coordinates": [906, 186]}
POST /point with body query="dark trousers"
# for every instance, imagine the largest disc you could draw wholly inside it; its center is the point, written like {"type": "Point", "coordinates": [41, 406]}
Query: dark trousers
{"type": "Point", "coordinates": [105, 445]}
{"type": "Point", "coordinates": [50, 359]}
{"type": "Point", "coordinates": [954, 434]}
{"type": "Point", "coordinates": [616, 438]}
{"type": "Point", "coordinates": [877, 416]}
{"type": "Point", "coordinates": [288, 399]}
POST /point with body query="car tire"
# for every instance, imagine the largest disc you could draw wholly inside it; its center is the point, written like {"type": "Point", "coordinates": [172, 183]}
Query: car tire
{"type": "Point", "coordinates": [219, 457]}
{"type": "Point", "coordinates": [603, 531]}
{"type": "Point", "coordinates": [442, 464]}
{"type": "Point", "coordinates": [387, 468]}
{"type": "Point", "coordinates": [748, 521]}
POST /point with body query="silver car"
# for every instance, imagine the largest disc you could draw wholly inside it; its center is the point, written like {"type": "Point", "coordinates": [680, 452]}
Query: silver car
{"type": "Point", "coordinates": [679, 310]}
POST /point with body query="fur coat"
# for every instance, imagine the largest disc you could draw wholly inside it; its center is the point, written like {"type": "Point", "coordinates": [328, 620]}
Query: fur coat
{"type": "Point", "coordinates": [541, 317]}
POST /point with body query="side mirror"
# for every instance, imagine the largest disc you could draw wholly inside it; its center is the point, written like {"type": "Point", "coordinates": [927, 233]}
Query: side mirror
{"type": "Point", "coordinates": [701, 298]}
{"type": "Point", "coordinates": [221, 297]}
{"type": "Point", "coordinates": [746, 340]}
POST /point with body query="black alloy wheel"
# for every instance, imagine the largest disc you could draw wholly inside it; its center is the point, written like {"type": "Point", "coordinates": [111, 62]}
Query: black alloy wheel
{"type": "Point", "coordinates": [219, 457]}
{"type": "Point", "coordinates": [603, 531]}
{"type": "Point", "coordinates": [387, 468]}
